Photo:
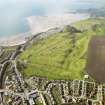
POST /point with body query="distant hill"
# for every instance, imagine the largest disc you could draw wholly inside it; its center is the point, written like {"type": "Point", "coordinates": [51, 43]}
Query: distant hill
{"type": "Point", "coordinates": [98, 12]}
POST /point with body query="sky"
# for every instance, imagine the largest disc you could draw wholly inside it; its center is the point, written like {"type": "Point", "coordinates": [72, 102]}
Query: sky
{"type": "Point", "coordinates": [3, 2]}
{"type": "Point", "coordinates": [48, 2]}
{"type": "Point", "coordinates": [52, 3]}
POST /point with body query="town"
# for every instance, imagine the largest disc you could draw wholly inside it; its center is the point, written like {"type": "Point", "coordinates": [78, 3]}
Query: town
{"type": "Point", "coordinates": [17, 91]}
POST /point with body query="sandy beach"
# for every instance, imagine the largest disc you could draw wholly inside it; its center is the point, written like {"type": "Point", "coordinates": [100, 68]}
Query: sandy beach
{"type": "Point", "coordinates": [40, 24]}
{"type": "Point", "coordinates": [44, 23]}
{"type": "Point", "coordinates": [15, 40]}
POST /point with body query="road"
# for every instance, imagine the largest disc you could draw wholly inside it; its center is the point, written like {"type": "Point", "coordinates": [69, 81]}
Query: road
{"type": "Point", "coordinates": [11, 60]}
{"type": "Point", "coordinates": [3, 67]}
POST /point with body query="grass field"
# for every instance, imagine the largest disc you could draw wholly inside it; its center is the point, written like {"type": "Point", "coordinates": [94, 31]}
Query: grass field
{"type": "Point", "coordinates": [56, 57]}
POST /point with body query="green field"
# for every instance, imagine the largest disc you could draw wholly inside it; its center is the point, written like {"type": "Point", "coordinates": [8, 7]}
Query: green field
{"type": "Point", "coordinates": [62, 56]}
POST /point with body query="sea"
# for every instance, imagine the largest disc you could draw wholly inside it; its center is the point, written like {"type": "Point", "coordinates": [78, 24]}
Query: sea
{"type": "Point", "coordinates": [14, 13]}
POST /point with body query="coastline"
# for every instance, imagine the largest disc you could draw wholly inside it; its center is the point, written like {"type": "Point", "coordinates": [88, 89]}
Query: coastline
{"type": "Point", "coordinates": [41, 24]}
{"type": "Point", "coordinates": [15, 40]}
{"type": "Point", "coordinates": [44, 23]}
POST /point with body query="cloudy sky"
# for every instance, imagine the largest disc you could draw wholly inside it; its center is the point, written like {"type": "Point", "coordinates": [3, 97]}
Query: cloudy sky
{"type": "Point", "coordinates": [49, 1]}
{"type": "Point", "coordinates": [49, 4]}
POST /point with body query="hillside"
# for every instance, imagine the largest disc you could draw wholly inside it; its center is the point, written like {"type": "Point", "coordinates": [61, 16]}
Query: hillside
{"type": "Point", "coordinates": [62, 55]}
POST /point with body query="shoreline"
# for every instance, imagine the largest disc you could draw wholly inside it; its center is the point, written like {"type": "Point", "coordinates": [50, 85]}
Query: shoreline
{"type": "Point", "coordinates": [42, 24]}
{"type": "Point", "coordinates": [15, 40]}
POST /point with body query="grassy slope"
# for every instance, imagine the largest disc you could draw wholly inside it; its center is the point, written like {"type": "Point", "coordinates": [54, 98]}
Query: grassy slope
{"type": "Point", "coordinates": [55, 58]}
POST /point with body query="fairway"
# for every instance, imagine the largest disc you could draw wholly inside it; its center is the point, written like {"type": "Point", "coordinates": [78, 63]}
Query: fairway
{"type": "Point", "coordinates": [60, 56]}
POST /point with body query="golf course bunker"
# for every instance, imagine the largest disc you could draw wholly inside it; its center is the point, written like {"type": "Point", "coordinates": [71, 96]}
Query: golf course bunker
{"type": "Point", "coordinates": [96, 59]}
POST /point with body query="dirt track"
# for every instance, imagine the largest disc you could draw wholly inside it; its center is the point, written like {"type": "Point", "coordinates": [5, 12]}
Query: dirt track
{"type": "Point", "coordinates": [96, 59]}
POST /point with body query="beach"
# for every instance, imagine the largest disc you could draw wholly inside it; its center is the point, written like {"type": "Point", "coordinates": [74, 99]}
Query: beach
{"type": "Point", "coordinates": [39, 24]}
{"type": "Point", "coordinates": [15, 40]}
{"type": "Point", "coordinates": [44, 23]}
